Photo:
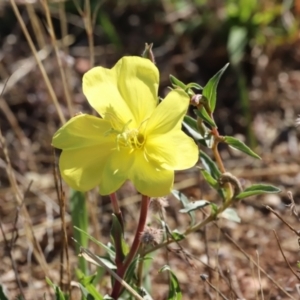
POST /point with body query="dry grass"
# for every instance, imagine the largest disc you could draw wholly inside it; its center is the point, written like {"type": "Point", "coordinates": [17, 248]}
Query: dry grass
{"type": "Point", "coordinates": [42, 59]}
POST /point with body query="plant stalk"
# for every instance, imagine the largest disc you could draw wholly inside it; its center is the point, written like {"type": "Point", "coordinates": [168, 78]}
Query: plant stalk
{"type": "Point", "coordinates": [134, 248]}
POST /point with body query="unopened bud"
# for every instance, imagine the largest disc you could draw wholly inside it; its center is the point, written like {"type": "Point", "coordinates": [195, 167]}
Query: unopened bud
{"type": "Point", "coordinates": [195, 100]}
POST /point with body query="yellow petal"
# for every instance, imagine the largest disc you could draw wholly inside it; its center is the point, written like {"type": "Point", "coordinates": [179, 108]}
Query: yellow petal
{"type": "Point", "coordinates": [116, 170]}
{"type": "Point", "coordinates": [82, 168]}
{"type": "Point", "coordinates": [83, 131]}
{"type": "Point", "coordinates": [130, 88]}
{"type": "Point", "coordinates": [86, 147]}
{"type": "Point", "coordinates": [169, 114]}
{"type": "Point", "coordinates": [148, 179]}
{"type": "Point", "coordinates": [172, 151]}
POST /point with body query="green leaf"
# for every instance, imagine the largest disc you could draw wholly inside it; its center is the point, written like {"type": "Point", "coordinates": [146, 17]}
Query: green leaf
{"type": "Point", "coordinates": [210, 89]}
{"type": "Point", "coordinates": [117, 236]}
{"type": "Point", "coordinates": [184, 201]}
{"type": "Point", "coordinates": [258, 189]}
{"type": "Point", "coordinates": [191, 126]}
{"type": "Point", "coordinates": [177, 83]}
{"type": "Point", "coordinates": [202, 113]}
{"type": "Point", "coordinates": [2, 294]}
{"type": "Point", "coordinates": [209, 165]}
{"type": "Point", "coordinates": [210, 180]}
{"type": "Point", "coordinates": [79, 219]}
{"type": "Point", "coordinates": [237, 144]}
{"type": "Point", "coordinates": [130, 273]}
{"type": "Point", "coordinates": [214, 208]}
{"type": "Point", "coordinates": [177, 236]}
{"type": "Point", "coordinates": [108, 249]}
{"type": "Point", "coordinates": [59, 295]}
{"type": "Point", "coordinates": [231, 215]}
{"type": "Point", "coordinates": [191, 123]}
{"type": "Point", "coordinates": [194, 86]}
{"type": "Point", "coordinates": [194, 206]}
{"type": "Point", "coordinates": [88, 288]}
{"type": "Point", "coordinates": [174, 288]}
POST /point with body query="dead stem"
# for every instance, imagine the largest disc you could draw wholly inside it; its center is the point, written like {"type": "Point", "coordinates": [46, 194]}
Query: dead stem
{"type": "Point", "coordinates": [283, 255]}
{"type": "Point", "coordinates": [282, 220]}
{"type": "Point", "coordinates": [205, 279]}
{"type": "Point", "coordinates": [65, 82]}
{"type": "Point", "coordinates": [36, 25]}
{"type": "Point", "coordinates": [40, 65]}
{"type": "Point", "coordinates": [259, 277]}
{"type": "Point", "coordinates": [27, 223]}
{"type": "Point", "coordinates": [254, 262]}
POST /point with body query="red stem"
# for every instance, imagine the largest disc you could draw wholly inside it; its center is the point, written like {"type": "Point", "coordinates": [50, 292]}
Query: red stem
{"type": "Point", "coordinates": [134, 248]}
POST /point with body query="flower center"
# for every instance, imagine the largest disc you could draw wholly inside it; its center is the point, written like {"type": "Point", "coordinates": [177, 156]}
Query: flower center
{"type": "Point", "coordinates": [125, 137]}
{"type": "Point", "coordinates": [131, 138]}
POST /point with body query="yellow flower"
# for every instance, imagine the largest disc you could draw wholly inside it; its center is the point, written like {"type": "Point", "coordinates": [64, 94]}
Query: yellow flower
{"type": "Point", "coordinates": [136, 138]}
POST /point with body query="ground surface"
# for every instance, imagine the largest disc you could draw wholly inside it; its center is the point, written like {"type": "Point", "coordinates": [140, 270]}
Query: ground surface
{"type": "Point", "coordinates": [190, 43]}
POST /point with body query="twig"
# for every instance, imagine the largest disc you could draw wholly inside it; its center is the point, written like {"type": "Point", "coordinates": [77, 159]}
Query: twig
{"type": "Point", "coordinates": [282, 253]}
{"type": "Point", "coordinates": [254, 262]}
{"type": "Point", "coordinates": [62, 204]}
{"type": "Point", "coordinates": [40, 65]}
{"type": "Point", "coordinates": [65, 82]}
{"type": "Point", "coordinates": [205, 279]}
{"type": "Point", "coordinates": [259, 278]}
{"type": "Point", "coordinates": [282, 220]}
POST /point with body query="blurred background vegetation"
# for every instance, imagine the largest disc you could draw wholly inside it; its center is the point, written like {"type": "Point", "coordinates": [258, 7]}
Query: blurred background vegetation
{"type": "Point", "coordinates": [257, 96]}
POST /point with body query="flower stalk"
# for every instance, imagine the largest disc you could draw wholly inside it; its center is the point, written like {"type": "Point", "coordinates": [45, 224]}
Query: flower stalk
{"type": "Point", "coordinates": [134, 248]}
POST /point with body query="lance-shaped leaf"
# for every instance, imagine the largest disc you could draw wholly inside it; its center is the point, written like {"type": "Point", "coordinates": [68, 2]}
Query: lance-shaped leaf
{"type": "Point", "coordinates": [210, 180]}
{"type": "Point", "coordinates": [80, 219]}
{"type": "Point", "coordinates": [237, 144]}
{"type": "Point", "coordinates": [195, 86]}
{"type": "Point", "coordinates": [191, 126]}
{"type": "Point", "coordinates": [258, 189]}
{"type": "Point", "coordinates": [88, 288]}
{"type": "Point", "coordinates": [209, 165]}
{"type": "Point", "coordinates": [194, 206]}
{"type": "Point", "coordinates": [202, 113]}
{"type": "Point", "coordinates": [118, 238]}
{"type": "Point", "coordinates": [210, 89]}
{"type": "Point", "coordinates": [184, 201]}
{"type": "Point", "coordinates": [106, 248]}
{"type": "Point", "coordinates": [177, 83]}
{"type": "Point", "coordinates": [231, 215]}
{"type": "Point", "coordinates": [59, 295]}
{"type": "Point", "coordinates": [177, 236]}
{"type": "Point", "coordinates": [174, 288]}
